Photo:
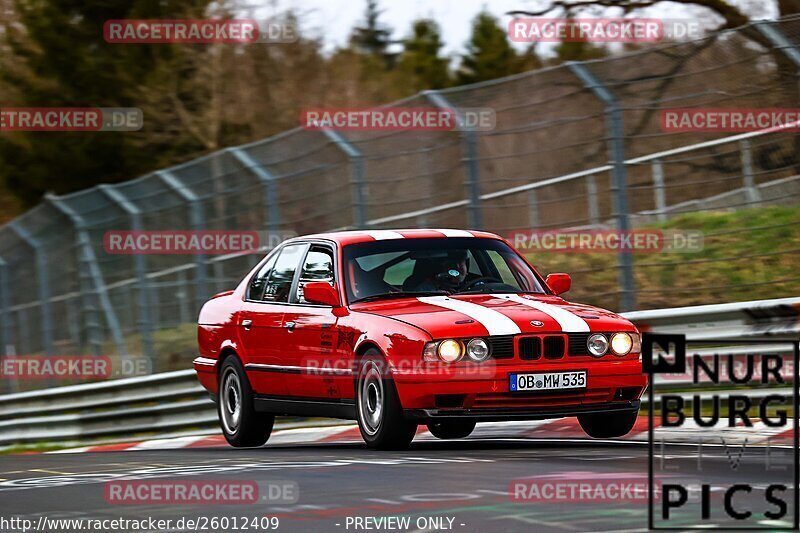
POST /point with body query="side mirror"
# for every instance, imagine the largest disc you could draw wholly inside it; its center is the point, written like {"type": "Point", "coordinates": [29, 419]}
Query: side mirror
{"type": "Point", "coordinates": [559, 282]}
{"type": "Point", "coordinates": [319, 292]}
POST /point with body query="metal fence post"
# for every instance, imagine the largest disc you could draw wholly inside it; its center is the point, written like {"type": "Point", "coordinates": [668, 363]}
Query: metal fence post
{"type": "Point", "coordinates": [140, 267]}
{"type": "Point", "coordinates": [196, 220]}
{"type": "Point", "coordinates": [5, 314]}
{"type": "Point", "coordinates": [658, 191]}
{"type": "Point", "coordinates": [272, 216]}
{"type": "Point", "coordinates": [43, 281]}
{"type": "Point", "coordinates": [619, 181]}
{"type": "Point", "coordinates": [470, 139]}
{"type": "Point", "coordinates": [88, 269]}
{"type": "Point", "coordinates": [533, 209]}
{"type": "Point", "coordinates": [357, 177]}
{"type": "Point", "coordinates": [753, 196]}
{"type": "Point", "coordinates": [594, 206]}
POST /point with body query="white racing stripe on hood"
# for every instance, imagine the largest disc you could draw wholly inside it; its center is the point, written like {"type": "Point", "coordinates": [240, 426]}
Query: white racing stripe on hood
{"type": "Point", "coordinates": [384, 234]}
{"type": "Point", "coordinates": [494, 322]}
{"type": "Point", "coordinates": [569, 321]}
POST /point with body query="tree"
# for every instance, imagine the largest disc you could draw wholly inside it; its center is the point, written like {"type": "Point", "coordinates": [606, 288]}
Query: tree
{"type": "Point", "coordinates": [75, 67]}
{"type": "Point", "coordinates": [489, 53]}
{"type": "Point", "coordinates": [373, 38]}
{"type": "Point", "coordinates": [420, 60]}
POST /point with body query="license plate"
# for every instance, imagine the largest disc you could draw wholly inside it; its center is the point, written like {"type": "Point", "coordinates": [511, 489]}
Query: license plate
{"type": "Point", "coordinates": [547, 381]}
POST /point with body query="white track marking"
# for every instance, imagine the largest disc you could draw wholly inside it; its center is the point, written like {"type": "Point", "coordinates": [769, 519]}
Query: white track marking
{"type": "Point", "coordinates": [167, 444]}
{"type": "Point", "coordinates": [569, 322]}
{"type": "Point", "coordinates": [495, 323]}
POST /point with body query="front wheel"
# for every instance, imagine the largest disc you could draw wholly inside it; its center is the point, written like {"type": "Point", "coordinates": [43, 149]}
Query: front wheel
{"type": "Point", "coordinates": [451, 429]}
{"type": "Point", "coordinates": [380, 415]}
{"type": "Point", "coordinates": [608, 425]}
{"type": "Point", "coordinates": [242, 425]}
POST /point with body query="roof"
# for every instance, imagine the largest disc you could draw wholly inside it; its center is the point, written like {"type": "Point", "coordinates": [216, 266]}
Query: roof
{"type": "Point", "coordinates": [356, 236]}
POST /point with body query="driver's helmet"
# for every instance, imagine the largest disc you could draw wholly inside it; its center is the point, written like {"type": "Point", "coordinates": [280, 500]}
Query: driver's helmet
{"type": "Point", "coordinates": [453, 270]}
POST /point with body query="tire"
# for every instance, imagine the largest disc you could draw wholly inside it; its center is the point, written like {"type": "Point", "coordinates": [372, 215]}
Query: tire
{"type": "Point", "coordinates": [608, 426]}
{"type": "Point", "coordinates": [451, 429]}
{"type": "Point", "coordinates": [241, 424]}
{"type": "Point", "coordinates": [378, 409]}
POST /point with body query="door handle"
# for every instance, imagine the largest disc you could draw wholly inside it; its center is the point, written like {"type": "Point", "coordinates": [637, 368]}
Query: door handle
{"type": "Point", "coordinates": [289, 325]}
{"type": "Point", "coordinates": [247, 323]}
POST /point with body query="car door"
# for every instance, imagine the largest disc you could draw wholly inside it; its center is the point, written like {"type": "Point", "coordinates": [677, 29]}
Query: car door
{"type": "Point", "coordinates": [313, 333]}
{"type": "Point", "coordinates": [261, 321]}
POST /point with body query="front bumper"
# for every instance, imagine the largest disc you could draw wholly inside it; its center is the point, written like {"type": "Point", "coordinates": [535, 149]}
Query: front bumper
{"type": "Point", "coordinates": [476, 389]}
{"type": "Point", "coordinates": [502, 414]}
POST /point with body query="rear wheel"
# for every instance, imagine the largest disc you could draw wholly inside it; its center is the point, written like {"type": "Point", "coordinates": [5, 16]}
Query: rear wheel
{"type": "Point", "coordinates": [380, 415]}
{"type": "Point", "coordinates": [451, 429]}
{"type": "Point", "coordinates": [241, 424]}
{"type": "Point", "coordinates": [608, 425]}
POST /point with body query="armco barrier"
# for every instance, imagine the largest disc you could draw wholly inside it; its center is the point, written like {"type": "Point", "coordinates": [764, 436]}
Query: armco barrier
{"type": "Point", "coordinates": [174, 402]}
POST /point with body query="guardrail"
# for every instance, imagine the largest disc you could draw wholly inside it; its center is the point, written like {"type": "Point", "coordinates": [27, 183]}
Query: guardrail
{"type": "Point", "coordinates": [174, 402]}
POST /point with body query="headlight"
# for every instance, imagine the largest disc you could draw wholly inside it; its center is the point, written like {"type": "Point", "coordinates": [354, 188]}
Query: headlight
{"type": "Point", "coordinates": [597, 344]}
{"type": "Point", "coordinates": [450, 351]}
{"type": "Point", "coordinates": [478, 350]}
{"type": "Point", "coordinates": [621, 343]}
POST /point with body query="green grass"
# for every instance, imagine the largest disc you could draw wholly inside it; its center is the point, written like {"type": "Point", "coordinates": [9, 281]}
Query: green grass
{"type": "Point", "coordinates": [751, 254]}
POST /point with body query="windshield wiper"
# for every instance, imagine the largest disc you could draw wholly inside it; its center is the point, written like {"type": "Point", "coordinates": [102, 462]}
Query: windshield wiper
{"type": "Point", "coordinates": [400, 294]}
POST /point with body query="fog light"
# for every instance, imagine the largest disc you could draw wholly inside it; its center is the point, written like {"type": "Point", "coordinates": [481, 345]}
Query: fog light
{"type": "Point", "coordinates": [450, 351]}
{"type": "Point", "coordinates": [478, 350]}
{"type": "Point", "coordinates": [597, 344]}
{"type": "Point", "coordinates": [621, 343]}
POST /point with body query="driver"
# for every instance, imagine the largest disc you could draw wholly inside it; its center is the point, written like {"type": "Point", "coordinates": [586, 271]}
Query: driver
{"type": "Point", "coordinates": [448, 274]}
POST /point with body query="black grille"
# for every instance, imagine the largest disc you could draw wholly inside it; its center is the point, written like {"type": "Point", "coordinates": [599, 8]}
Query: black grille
{"type": "Point", "coordinates": [577, 343]}
{"type": "Point", "coordinates": [553, 347]}
{"type": "Point", "coordinates": [502, 346]}
{"type": "Point", "coordinates": [530, 348]}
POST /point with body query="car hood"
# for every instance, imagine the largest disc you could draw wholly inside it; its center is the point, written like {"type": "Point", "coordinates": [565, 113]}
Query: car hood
{"type": "Point", "coordinates": [480, 315]}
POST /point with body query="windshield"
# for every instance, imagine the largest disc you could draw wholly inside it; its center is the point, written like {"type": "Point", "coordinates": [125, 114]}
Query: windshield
{"type": "Point", "coordinates": [391, 268]}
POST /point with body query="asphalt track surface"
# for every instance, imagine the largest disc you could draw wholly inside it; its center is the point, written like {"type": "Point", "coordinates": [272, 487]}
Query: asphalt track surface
{"type": "Point", "coordinates": [465, 484]}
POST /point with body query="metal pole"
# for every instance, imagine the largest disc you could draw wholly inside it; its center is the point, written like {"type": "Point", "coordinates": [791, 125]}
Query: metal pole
{"type": "Point", "coordinates": [619, 181]}
{"type": "Point", "coordinates": [753, 196]}
{"type": "Point", "coordinates": [357, 177]}
{"type": "Point", "coordinates": [44, 282]}
{"type": "Point", "coordinates": [594, 206]}
{"type": "Point", "coordinates": [89, 270]}
{"type": "Point", "coordinates": [5, 315]}
{"type": "Point", "coordinates": [470, 139]}
{"type": "Point", "coordinates": [196, 220]}
{"type": "Point", "coordinates": [658, 191]}
{"type": "Point", "coordinates": [269, 182]}
{"type": "Point", "coordinates": [533, 209]}
{"type": "Point", "coordinates": [140, 267]}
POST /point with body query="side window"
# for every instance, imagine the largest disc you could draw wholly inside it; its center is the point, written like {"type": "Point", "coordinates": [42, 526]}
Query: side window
{"type": "Point", "coordinates": [318, 266]}
{"type": "Point", "coordinates": [256, 289]}
{"type": "Point", "coordinates": [280, 281]}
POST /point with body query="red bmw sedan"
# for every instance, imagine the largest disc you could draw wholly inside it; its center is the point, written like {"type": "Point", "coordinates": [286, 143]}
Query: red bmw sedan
{"type": "Point", "coordinates": [399, 328]}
